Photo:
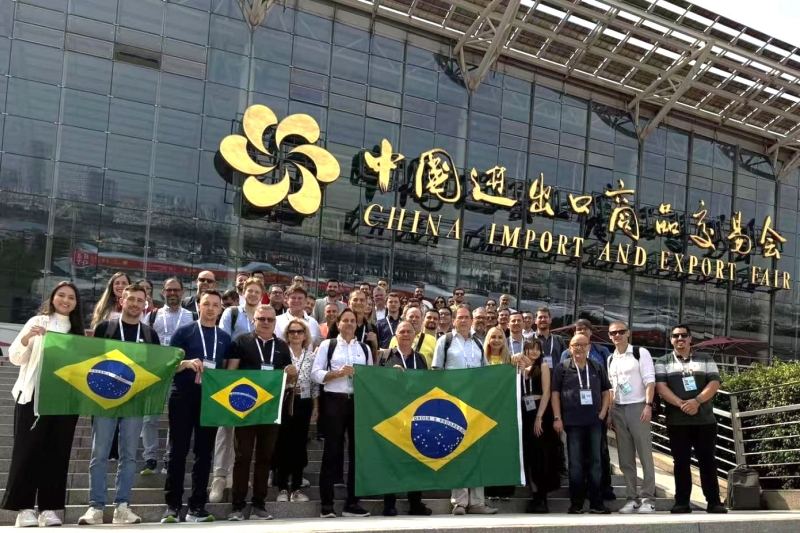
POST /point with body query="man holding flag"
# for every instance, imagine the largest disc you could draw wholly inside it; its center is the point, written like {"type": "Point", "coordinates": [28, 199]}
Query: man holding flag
{"type": "Point", "coordinates": [127, 328]}
{"type": "Point", "coordinates": [205, 345]}
{"type": "Point", "coordinates": [259, 350]}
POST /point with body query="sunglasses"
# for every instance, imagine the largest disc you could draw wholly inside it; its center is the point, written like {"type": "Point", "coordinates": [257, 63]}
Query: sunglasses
{"type": "Point", "coordinates": [206, 280]}
{"type": "Point", "coordinates": [263, 319]}
{"type": "Point", "coordinates": [680, 335]}
{"type": "Point", "coordinates": [618, 332]}
{"type": "Point", "coordinates": [459, 294]}
{"type": "Point", "coordinates": [295, 332]}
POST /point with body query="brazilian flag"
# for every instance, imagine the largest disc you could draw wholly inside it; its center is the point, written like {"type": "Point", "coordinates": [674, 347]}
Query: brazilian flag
{"type": "Point", "coordinates": [242, 397]}
{"type": "Point", "coordinates": [430, 429]}
{"type": "Point", "coordinates": [104, 377]}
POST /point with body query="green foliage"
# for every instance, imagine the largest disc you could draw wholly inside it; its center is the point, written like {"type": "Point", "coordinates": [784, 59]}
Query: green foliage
{"type": "Point", "coordinates": [782, 437]}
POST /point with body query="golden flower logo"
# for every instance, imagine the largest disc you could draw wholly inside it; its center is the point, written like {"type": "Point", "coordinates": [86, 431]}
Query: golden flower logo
{"type": "Point", "coordinates": [257, 119]}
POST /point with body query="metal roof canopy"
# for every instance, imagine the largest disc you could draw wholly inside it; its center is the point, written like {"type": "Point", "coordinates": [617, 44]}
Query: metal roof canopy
{"type": "Point", "coordinates": [669, 53]}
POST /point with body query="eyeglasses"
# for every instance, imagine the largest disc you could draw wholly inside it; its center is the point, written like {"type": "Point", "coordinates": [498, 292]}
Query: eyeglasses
{"type": "Point", "coordinates": [173, 290]}
{"type": "Point", "coordinates": [295, 332]}
{"type": "Point", "coordinates": [680, 335]}
{"type": "Point", "coordinates": [618, 332]}
{"type": "Point", "coordinates": [263, 319]}
{"type": "Point", "coordinates": [459, 294]}
{"type": "Point", "coordinates": [206, 280]}
{"type": "Point", "coordinates": [581, 345]}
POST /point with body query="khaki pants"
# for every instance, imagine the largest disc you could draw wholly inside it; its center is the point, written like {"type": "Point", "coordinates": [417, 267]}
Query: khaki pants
{"type": "Point", "coordinates": [223, 453]}
{"type": "Point", "coordinates": [467, 497]}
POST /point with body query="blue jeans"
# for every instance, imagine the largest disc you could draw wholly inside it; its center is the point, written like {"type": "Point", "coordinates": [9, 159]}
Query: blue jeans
{"type": "Point", "coordinates": [102, 435]}
{"type": "Point", "coordinates": [583, 444]}
{"type": "Point", "coordinates": [150, 437]}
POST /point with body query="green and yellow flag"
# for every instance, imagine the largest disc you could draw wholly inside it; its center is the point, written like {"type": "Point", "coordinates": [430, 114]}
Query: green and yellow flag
{"type": "Point", "coordinates": [429, 430]}
{"type": "Point", "coordinates": [242, 397]}
{"type": "Point", "coordinates": [104, 377]}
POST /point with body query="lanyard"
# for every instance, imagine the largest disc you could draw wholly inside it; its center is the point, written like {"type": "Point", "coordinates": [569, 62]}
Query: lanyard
{"type": "Point", "coordinates": [403, 358]}
{"type": "Point", "coordinates": [462, 344]}
{"type": "Point", "coordinates": [526, 382]}
{"type": "Point", "coordinates": [203, 340]}
{"type": "Point", "coordinates": [364, 331]}
{"type": "Point", "coordinates": [683, 366]}
{"type": "Point", "coordinates": [272, 355]}
{"type": "Point", "coordinates": [166, 310]}
{"type": "Point", "coordinates": [389, 321]}
{"type": "Point", "coordinates": [580, 383]}
{"type": "Point", "coordinates": [512, 343]}
{"type": "Point", "coordinates": [550, 346]}
{"type": "Point", "coordinates": [122, 331]}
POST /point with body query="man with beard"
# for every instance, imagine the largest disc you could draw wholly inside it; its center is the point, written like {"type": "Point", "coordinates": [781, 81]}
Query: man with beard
{"type": "Point", "coordinates": [165, 322]}
{"type": "Point", "coordinates": [333, 295]}
{"type": "Point", "coordinates": [241, 277]}
{"type": "Point", "coordinates": [419, 294]}
{"type": "Point", "coordinates": [479, 328]}
{"type": "Point", "coordinates": [503, 316]}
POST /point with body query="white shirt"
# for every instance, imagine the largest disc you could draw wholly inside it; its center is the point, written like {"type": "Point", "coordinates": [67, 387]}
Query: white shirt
{"type": "Point", "coordinates": [463, 353]}
{"type": "Point", "coordinates": [242, 300]}
{"type": "Point", "coordinates": [29, 358]}
{"type": "Point", "coordinates": [528, 334]}
{"type": "Point", "coordinates": [625, 368]}
{"type": "Point", "coordinates": [167, 322]}
{"type": "Point", "coordinates": [343, 355]}
{"type": "Point", "coordinates": [380, 314]}
{"type": "Point", "coordinates": [283, 322]}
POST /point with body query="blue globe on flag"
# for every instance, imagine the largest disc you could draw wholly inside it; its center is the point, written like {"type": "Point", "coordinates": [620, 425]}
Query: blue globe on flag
{"type": "Point", "coordinates": [243, 397]}
{"type": "Point", "coordinates": [437, 428]}
{"type": "Point", "coordinates": [110, 379]}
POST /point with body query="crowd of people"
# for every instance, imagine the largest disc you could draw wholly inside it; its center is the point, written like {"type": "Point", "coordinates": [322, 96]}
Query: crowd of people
{"type": "Point", "coordinates": [569, 394]}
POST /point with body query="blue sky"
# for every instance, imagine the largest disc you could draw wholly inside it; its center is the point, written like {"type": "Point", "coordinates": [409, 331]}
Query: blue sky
{"type": "Point", "coordinates": [779, 18]}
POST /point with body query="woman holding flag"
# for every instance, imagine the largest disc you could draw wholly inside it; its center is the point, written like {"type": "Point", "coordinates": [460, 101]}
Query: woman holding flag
{"type": "Point", "coordinates": [42, 445]}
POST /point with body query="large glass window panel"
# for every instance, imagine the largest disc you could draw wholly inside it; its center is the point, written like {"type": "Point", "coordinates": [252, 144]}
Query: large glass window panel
{"type": "Point", "coordinates": [171, 239]}
{"type": "Point", "coordinates": [228, 68]}
{"type": "Point", "coordinates": [312, 55]}
{"type": "Point", "coordinates": [656, 310]}
{"type": "Point", "coordinates": [85, 147]}
{"type": "Point", "coordinates": [33, 100]}
{"type": "Point", "coordinates": [704, 310]}
{"type": "Point", "coordinates": [550, 285]}
{"type": "Point", "coordinates": [224, 102]}
{"type": "Point", "coordinates": [272, 78]}
{"type": "Point", "coordinates": [85, 110]}
{"type": "Point", "coordinates": [24, 136]}
{"type": "Point", "coordinates": [484, 128]}
{"type": "Point", "coordinates": [177, 127]}
{"type": "Point", "coordinates": [180, 92]}
{"type": "Point", "coordinates": [416, 141]}
{"type": "Point", "coordinates": [28, 175]}
{"type": "Point", "coordinates": [605, 296]}
{"type": "Point", "coordinates": [36, 62]}
{"type": "Point", "coordinates": [452, 92]}
{"type": "Point", "coordinates": [145, 15]}
{"type": "Point", "coordinates": [313, 27]}
{"type": "Point", "coordinates": [174, 197]}
{"type": "Point", "coordinates": [176, 162]}
{"type": "Point", "coordinates": [122, 189]}
{"type": "Point", "coordinates": [385, 73]}
{"type": "Point", "coordinates": [131, 118]}
{"type": "Point", "coordinates": [516, 106]}
{"type": "Point", "coordinates": [187, 24]}
{"type": "Point", "coordinates": [350, 37]}
{"type": "Point", "coordinates": [482, 156]}
{"type": "Point", "coordinates": [487, 99]}
{"type": "Point", "coordinates": [346, 128]}
{"type": "Point", "coordinates": [105, 10]}
{"type": "Point", "coordinates": [421, 57]}
{"type": "Point", "coordinates": [229, 34]}
{"type": "Point", "coordinates": [421, 82]}
{"type": "Point", "coordinates": [388, 48]}
{"type": "Point", "coordinates": [546, 113]}
{"type": "Point", "coordinates": [750, 318]}
{"type": "Point", "coordinates": [134, 83]}
{"type": "Point", "coordinates": [573, 120]}
{"type": "Point", "coordinates": [128, 154]}
{"type": "Point", "coordinates": [80, 183]}
{"type": "Point", "coordinates": [273, 45]}
{"type": "Point", "coordinates": [451, 121]}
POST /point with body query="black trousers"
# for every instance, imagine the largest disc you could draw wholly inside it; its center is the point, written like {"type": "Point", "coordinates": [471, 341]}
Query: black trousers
{"type": "Point", "coordinates": [39, 460]}
{"type": "Point", "coordinates": [292, 447]}
{"type": "Point", "coordinates": [339, 419]}
{"type": "Point", "coordinates": [703, 439]}
{"type": "Point", "coordinates": [184, 420]}
{"type": "Point", "coordinates": [262, 438]}
{"type": "Point", "coordinates": [414, 500]}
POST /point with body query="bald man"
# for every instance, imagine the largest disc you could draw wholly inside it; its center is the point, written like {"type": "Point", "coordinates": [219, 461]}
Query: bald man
{"type": "Point", "coordinates": [581, 397]}
{"type": "Point", "coordinates": [206, 280]}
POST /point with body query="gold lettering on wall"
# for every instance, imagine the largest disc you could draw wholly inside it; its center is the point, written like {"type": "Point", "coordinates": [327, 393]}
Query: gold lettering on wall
{"type": "Point", "coordinates": [546, 242]}
{"type": "Point", "coordinates": [368, 212]}
{"type": "Point", "coordinates": [510, 238]}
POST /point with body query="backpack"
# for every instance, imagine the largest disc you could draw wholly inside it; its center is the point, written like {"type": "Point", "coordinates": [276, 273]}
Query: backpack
{"type": "Point", "coordinates": [332, 348]}
{"type": "Point", "coordinates": [147, 333]}
{"type": "Point", "coordinates": [744, 489]}
{"type": "Point", "coordinates": [448, 340]}
{"type": "Point", "coordinates": [234, 318]}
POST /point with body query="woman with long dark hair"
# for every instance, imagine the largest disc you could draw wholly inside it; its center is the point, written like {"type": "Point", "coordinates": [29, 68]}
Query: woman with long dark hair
{"type": "Point", "coordinates": [439, 303]}
{"type": "Point", "coordinates": [540, 442]}
{"type": "Point", "coordinates": [108, 307]}
{"type": "Point", "coordinates": [42, 445]}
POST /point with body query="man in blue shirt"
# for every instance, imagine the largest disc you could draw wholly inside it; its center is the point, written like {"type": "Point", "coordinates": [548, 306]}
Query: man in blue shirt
{"type": "Point", "coordinates": [205, 345]}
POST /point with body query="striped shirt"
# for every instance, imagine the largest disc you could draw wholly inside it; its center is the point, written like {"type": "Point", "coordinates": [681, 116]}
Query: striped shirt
{"type": "Point", "coordinates": [678, 375]}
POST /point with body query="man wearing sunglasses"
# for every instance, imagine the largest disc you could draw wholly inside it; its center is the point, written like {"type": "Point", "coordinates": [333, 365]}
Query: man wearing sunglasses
{"type": "Point", "coordinates": [633, 383]}
{"type": "Point", "coordinates": [206, 280]}
{"type": "Point", "coordinates": [688, 381]}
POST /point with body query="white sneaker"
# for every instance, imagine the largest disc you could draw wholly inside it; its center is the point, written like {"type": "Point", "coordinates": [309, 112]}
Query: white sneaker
{"type": "Point", "coordinates": [648, 506]}
{"type": "Point", "coordinates": [631, 507]}
{"type": "Point", "coordinates": [27, 518]}
{"type": "Point", "coordinates": [217, 490]}
{"type": "Point", "coordinates": [283, 496]}
{"type": "Point", "coordinates": [124, 515]}
{"type": "Point", "coordinates": [91, 517]}
{"type": "Point", "coordinates": [299, 497]}
{"type": "Point", "coordinates": [48, 519]}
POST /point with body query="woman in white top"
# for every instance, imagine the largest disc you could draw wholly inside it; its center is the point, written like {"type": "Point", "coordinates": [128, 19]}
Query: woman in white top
{"type": "Point", "coordinates": [299, 410]}
{"type": "Point", "coordinates": [42, 445]}
{"type": "Point", "coordinates": [108, 306]}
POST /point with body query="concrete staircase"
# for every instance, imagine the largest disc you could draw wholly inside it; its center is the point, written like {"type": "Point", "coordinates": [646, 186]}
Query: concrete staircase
{"type": "Point", "coordinates": [148, 496]}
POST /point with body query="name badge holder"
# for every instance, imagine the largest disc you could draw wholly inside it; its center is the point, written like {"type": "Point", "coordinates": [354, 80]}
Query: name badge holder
{"type": "Point", "coordinates": [689, 383]}
{"type": "Point", "coordinates": [210, 364]}
{"type": "Point", "coordinates": [264, 365]}
{"type": "Point", "coordinates": [625, 388]}
{"type": "Point", "coordinates": [586, 394]}
{"type": "Point", "coordinates": [548, 360]}
{"type": "Point", "coordinates": [527, 397]}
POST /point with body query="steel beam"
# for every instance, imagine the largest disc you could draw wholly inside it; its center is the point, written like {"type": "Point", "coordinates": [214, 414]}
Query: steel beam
{"type": "Point", "coordinates": [679, 64]}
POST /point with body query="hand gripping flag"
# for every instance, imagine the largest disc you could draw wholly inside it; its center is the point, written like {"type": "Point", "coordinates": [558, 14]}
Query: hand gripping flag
{"type": "Point", "coordinates": [104, 377]}
{"type": "Point", "coordinates": [427, 430]}
{"type": "Point", "coordinates": [242, 397]}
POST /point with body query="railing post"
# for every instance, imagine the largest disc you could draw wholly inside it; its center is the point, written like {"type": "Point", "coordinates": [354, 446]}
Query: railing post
{"type": "Point", "coordinates": [736, 425]}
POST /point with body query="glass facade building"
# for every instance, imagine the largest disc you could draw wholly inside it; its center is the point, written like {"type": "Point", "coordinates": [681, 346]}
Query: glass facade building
{"type": "Point", "coordinates": [113, 112]}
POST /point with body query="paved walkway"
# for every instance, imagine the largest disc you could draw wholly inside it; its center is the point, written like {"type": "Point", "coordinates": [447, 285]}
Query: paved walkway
{"type": "Point", "coordinates": [697, 522]}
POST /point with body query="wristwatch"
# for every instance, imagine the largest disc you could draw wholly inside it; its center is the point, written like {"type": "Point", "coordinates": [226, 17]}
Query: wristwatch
{"type": "Point", "coordinates": [698, 400]}
{"type": "Point", "coordinates": [649, 404]}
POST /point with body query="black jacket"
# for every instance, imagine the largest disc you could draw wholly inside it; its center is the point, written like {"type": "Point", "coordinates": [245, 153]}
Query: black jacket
{"type": "Point", "coordinates": [395, 358]}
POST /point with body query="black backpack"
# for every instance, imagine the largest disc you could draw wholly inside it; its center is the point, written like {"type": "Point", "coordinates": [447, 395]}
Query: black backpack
{"type": "Point", "coordinates": [744, 489]}
{"type": "Point", "coordinates": [147, 333]}
{"type": "Point", "coordinates": [332, 348]}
